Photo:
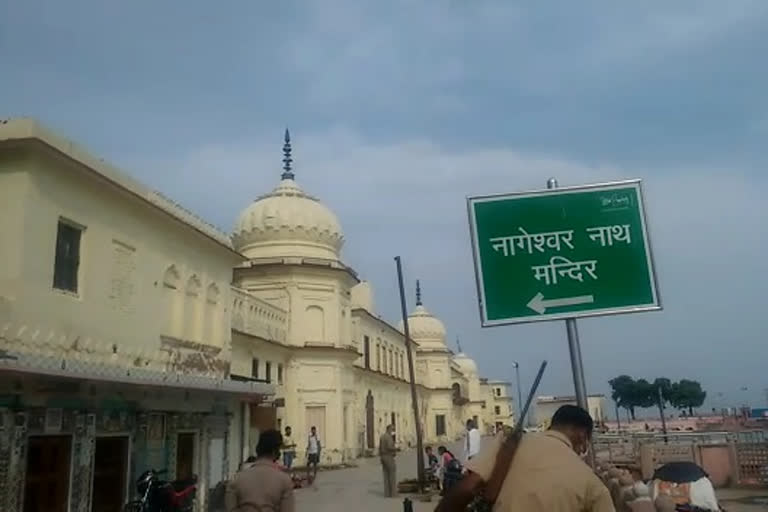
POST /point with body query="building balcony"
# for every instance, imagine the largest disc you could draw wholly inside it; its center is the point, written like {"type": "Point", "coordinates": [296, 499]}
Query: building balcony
{"type": "Point", "coordinates": [460, 400]}
{"type": "Point", "coordinates": [257, 317]}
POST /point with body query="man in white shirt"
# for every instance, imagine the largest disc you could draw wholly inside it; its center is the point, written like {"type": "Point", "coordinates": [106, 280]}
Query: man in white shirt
{"type": "Point", "coordinates": [472, 443]}
{"type": "Point", "coordinates": [313, 454]}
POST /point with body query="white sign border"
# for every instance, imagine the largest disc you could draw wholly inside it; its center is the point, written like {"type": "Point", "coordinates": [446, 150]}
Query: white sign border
{"type": "Point", "coordinates": [654, 305]}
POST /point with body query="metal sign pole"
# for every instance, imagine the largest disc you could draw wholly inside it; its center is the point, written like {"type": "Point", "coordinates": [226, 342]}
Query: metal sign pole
{"type": "Point", "coordinates": [519, 392]}
{"type": "Point", "coordinates": [576, 364]}
{"type": "Point", "coordinates": [411, 374]}
{"type": "Point", "coordinates": [660, 401]}
{"type": "Point", "coordinates": [574, 347]}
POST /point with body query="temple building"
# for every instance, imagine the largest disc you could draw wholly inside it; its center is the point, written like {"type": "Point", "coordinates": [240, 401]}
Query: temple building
{"type": "Point", "coordinates": [134, 335]}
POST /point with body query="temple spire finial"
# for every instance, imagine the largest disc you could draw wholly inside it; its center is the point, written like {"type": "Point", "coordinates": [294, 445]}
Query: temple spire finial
{"type": "Point", "coordinates": [287, 160]}
{"type": "Point", "coordinates": [418, 293]}
{"type": "Point", "coordinates": [458, 344]}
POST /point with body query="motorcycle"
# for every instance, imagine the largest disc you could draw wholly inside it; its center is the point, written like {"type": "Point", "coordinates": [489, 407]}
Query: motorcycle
{"type": "Point", "coordinates": [156, 495]}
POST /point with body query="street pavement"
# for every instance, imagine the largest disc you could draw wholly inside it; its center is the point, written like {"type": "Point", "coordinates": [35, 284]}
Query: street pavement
{"type": "Point", "coordinates": [360, 488]}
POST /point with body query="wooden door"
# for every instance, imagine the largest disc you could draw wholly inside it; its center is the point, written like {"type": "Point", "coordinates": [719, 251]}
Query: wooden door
{"type": "Point", "coordinates": [345, 427]}
{"type": "Point", "coordinates": [185, 455]}
{"type": "Point", "coordinates": [109, 474]}
{"type": "Point", "coordinates": [316, 418]}
{"type": "Point", "coordinates": [46, 487]}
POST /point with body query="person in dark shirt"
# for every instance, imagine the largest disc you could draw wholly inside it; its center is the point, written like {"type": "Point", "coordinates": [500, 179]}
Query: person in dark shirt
{"type": "Point", "coordinates": [451, 468]}
{"type": "Point", "coordinates": [432, 465]}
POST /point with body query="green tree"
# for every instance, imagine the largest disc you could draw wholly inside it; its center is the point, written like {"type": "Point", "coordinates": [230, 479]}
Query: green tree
{"type": "Point", "coordinates": [623, 393]}
{"type": "Point", "coordinates": [662, 391]}
{"type": "Point", "coordinates": [666, 388]}
{"type": "Point", "coordinates": [645, 394]}
{"type": "Point", "coordinates": [687, 394]}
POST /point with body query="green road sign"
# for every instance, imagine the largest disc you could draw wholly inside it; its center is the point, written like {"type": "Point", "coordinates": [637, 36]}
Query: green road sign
{"type": "Point", "coordinates": [562, 253]}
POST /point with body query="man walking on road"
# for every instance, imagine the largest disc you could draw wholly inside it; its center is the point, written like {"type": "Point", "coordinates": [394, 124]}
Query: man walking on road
{"type": "Point", "coordinates": [473, 439]}
{"type": "Point", "coordinates": [313, 454]}
{"type": "Point", "coordinates": [387, 451]}
{"type": "Point", "coordinates": [289, 448]}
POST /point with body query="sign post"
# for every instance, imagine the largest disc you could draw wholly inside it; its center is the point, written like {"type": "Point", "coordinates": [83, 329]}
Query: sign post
{"type": "Point", "coordinates": [562, 254]}
{"type": "Point", "coordinates": [411, 374]}
{"type": "Point", "coordinates": [574, 345]}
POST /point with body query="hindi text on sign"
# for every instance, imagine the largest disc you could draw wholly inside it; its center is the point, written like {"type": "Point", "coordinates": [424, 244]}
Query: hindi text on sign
{"type": "Point", "coordinates": [529, 241]}
{"type": "Point", "coordinates": [563, 267]}
{"type": "Point", "coordinates": [606, 235]}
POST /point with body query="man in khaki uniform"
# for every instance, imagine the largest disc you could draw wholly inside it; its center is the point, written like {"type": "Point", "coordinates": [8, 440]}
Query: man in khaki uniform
{"type": "Point", "coordinates": [546, 474]}
{"type": "Point", "coordinates": [262, 487]}
{"type": "Point", "coordinates": [387, 452]}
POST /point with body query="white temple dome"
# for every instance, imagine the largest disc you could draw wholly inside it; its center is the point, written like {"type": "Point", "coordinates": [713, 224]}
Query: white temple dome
{"type": "Point", "coordinates": [466, 363]}
{"type": "Point", "coordinates": [288, 222]}
{"type": "Point", "coordinates": [424, 328]}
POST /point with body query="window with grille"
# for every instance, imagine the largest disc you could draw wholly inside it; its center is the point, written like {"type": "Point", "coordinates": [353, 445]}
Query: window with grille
{"type": "Point", "coordinates": [67, 258]}
{"type": "Point", "coordinates": [440, 424]}
{"type": "Point", "coordinates": [384, 358]}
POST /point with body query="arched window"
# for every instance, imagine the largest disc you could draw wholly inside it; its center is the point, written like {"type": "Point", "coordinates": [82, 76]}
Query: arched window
{"type": "Point", "coordinates": [456, 390]}
{"type": "Point", "coordinates": [315, 324]}
{"type": "Point", "coordinates": [385, 368]}
{"type": "Point", "coordinates": [171, 277]}
{"type": "Point", "coordinates": [212, 294]}
{"type": "Point", "coordinates": [193, 309]}
{"type": "Point", "coordinates": [213, 327]}
{"type": "Point", "coordinates": [173, 301]}
{"type": "Point", "coordinates": [193, 285]}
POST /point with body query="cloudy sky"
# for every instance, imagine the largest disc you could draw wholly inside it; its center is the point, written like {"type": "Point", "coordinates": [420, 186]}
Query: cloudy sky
{"type": "Point", "coordinates": [401, 109]}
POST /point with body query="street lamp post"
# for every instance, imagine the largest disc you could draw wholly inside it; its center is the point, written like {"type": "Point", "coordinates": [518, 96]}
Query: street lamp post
{"type": "Point", "coordinates": [519, 393]}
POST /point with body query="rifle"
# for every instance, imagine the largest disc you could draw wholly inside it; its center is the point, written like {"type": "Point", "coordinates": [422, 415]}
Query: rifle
{"type": "Point", "coordinates": [487, 496]}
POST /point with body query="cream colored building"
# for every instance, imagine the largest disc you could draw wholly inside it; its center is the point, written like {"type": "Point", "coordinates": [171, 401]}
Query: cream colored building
{"type": "Point", "coordinates": [115, 333]}
{"type": "Point", "coordinates": [500, 408]}
{"type": "Point", "coordinates": [546, 406]}
{"type": "Point", "coordinates": [133, 335]}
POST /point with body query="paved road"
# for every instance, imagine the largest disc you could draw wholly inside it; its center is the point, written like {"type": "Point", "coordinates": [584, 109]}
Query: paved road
{"type": "Point", "coordinates": [361, 488]}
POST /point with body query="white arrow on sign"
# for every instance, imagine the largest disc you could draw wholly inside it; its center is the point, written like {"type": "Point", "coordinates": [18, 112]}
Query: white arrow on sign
{"type": "Point", "coordinates": [539, 305]}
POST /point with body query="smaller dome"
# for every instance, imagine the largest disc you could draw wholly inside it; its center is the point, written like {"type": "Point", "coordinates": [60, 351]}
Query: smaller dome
{"type": "Point", "coordinates": [466, 363]}
{"type": "Point", "coordinates": [424, 326]}
{"type": "Point", "coordinates": [425, 329]}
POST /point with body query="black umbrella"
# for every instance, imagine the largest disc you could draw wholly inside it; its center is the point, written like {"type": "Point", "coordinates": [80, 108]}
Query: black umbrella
{"type": "Point", "coordinates": [680, 472]}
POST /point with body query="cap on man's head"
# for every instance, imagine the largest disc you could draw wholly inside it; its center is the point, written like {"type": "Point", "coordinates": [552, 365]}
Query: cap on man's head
{"type": "Point", "coordinates": [573, 416]}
